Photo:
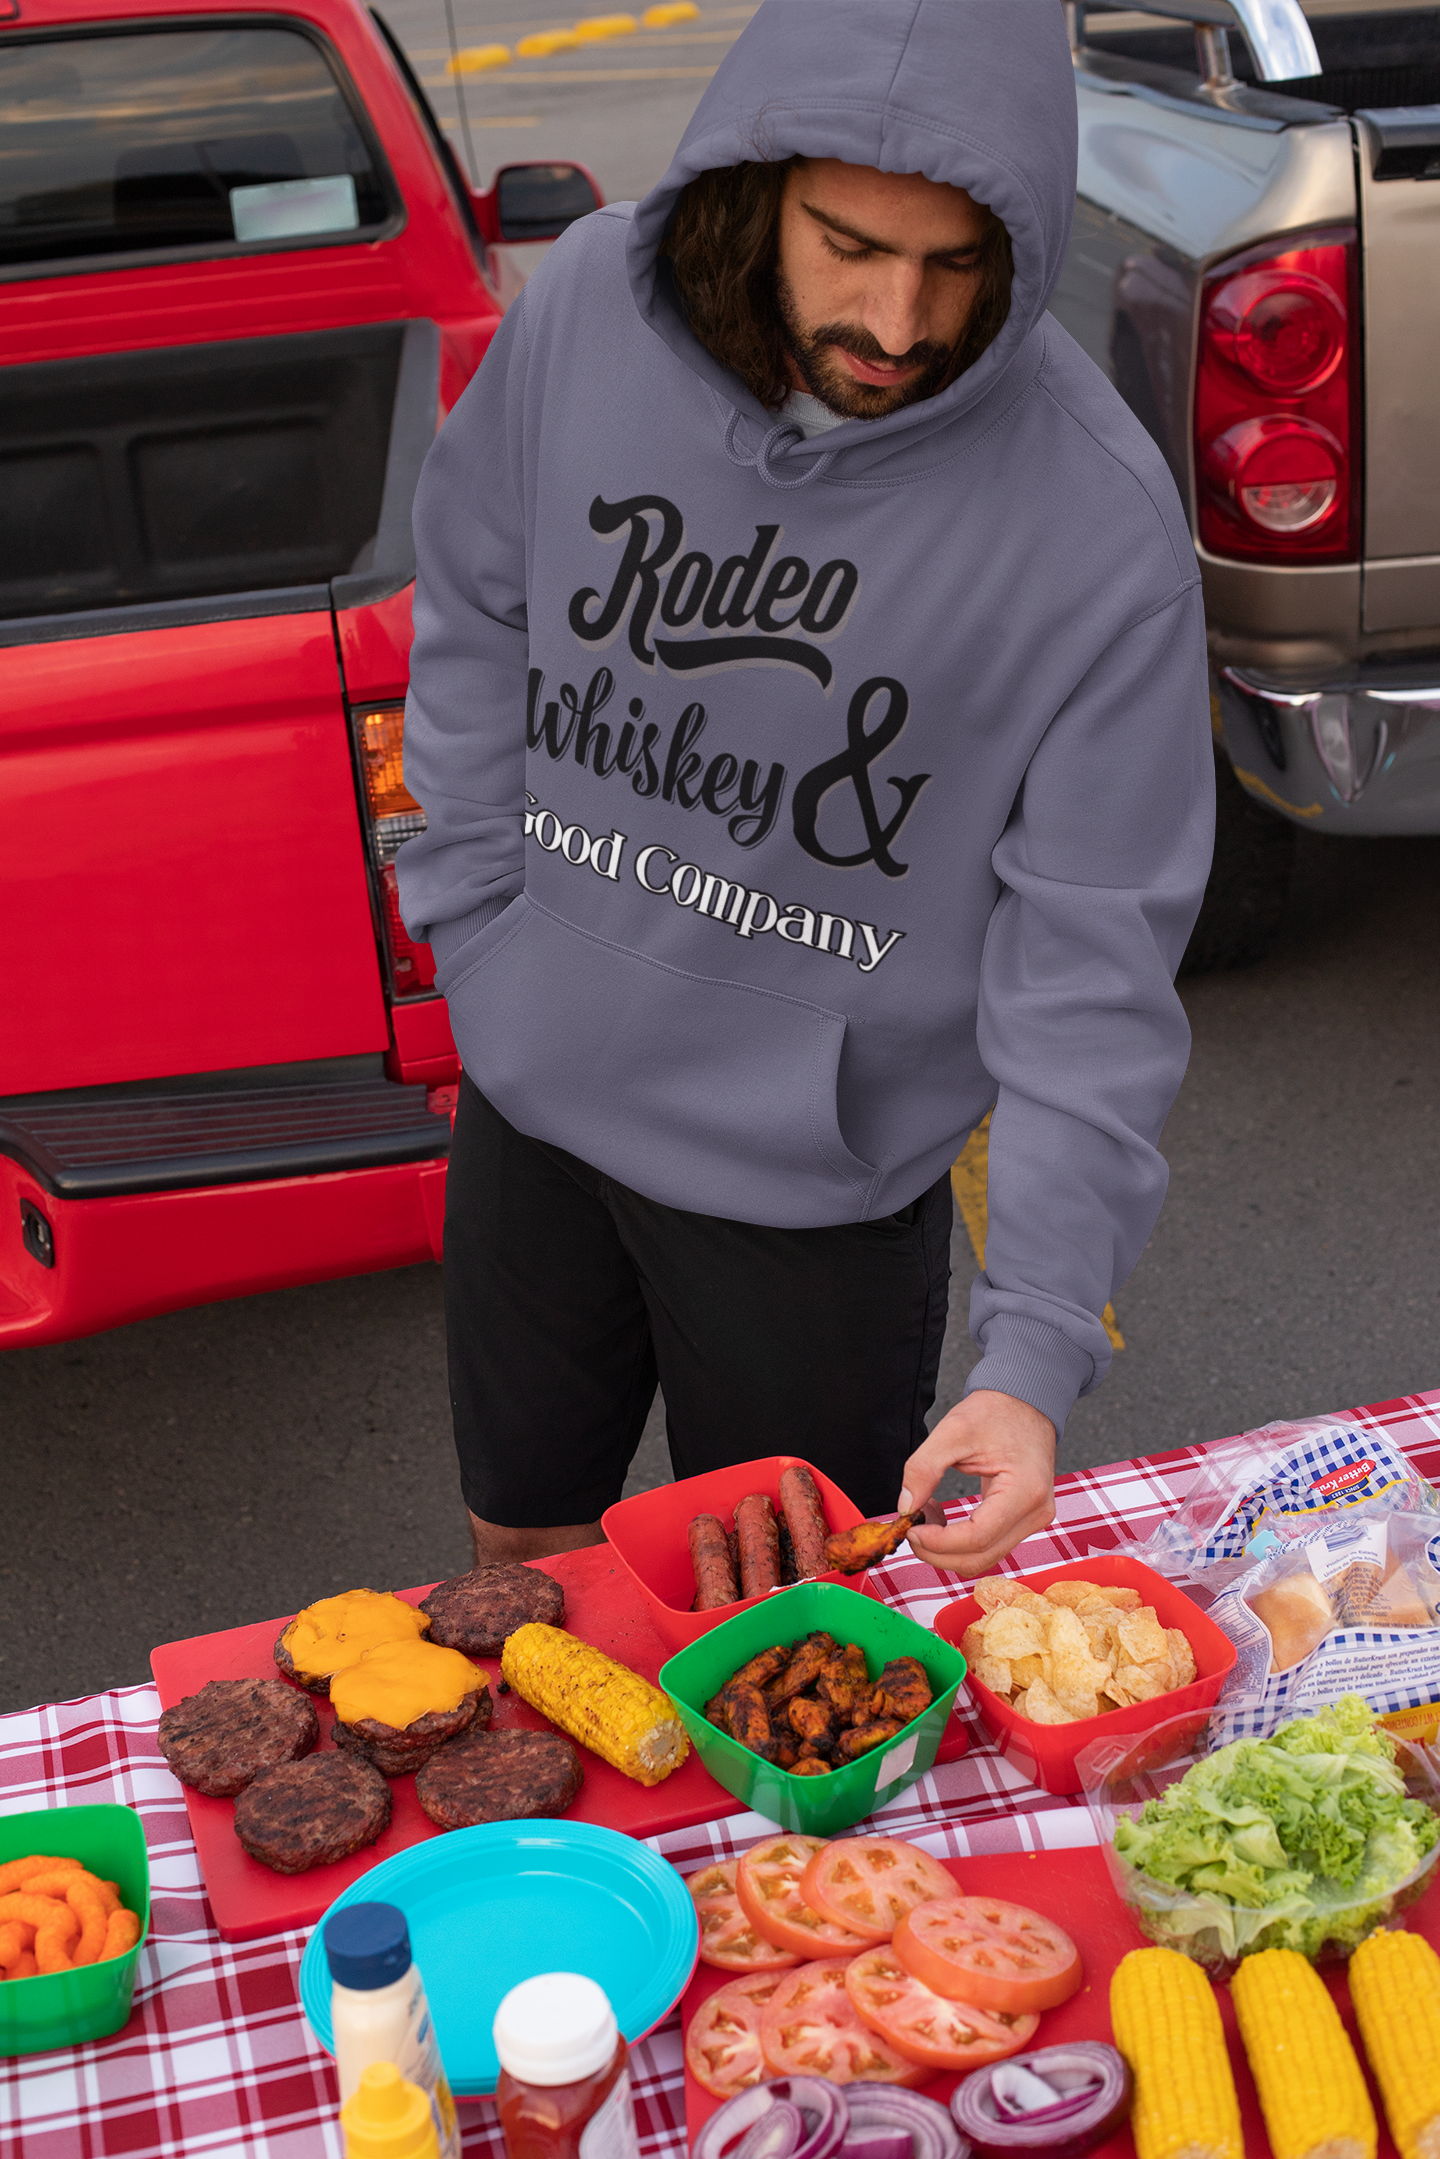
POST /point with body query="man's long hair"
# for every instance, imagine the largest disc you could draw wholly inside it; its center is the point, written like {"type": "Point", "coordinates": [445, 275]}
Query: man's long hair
{"type": "Point", "coordinates": [723, 248]}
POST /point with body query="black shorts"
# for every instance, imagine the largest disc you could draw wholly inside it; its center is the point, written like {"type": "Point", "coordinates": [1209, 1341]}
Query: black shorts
{"type": "Point", "coordinates": [567, 1296]}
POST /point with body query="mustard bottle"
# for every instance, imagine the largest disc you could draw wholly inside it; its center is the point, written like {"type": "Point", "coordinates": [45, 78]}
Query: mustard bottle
{"type": "Point", "coordinates": [386, 2118]}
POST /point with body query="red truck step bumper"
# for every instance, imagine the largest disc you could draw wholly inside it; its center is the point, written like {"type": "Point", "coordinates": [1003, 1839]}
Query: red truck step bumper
{"type": "Point", "coordinates": [126, 1214]}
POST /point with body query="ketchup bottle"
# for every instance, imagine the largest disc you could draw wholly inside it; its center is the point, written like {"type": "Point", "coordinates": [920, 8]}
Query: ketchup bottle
{"type": "Point", "coordinates": [564, 2090]}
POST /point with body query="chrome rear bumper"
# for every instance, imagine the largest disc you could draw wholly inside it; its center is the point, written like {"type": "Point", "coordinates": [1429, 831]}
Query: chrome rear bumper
{"type": "Point", "coordinates": [1360, 755]}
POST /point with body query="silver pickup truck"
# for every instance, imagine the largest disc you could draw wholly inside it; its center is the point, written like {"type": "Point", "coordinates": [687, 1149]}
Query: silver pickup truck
{"type": "Point", "coordinates": [1256, 266]}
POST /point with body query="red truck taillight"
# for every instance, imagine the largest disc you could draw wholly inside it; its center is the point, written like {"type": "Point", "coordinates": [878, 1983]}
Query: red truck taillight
{"type": "Point", "coordinates": [395, 816]}
{"type": "Point", "coordinates": [1276, 445]}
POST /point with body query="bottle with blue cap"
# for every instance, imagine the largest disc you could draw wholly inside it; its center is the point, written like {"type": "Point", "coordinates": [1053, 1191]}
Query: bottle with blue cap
{"type": "Point", "coordinates": [379, 2013]}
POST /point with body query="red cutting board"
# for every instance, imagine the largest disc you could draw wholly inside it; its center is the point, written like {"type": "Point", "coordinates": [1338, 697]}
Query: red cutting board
{"type": "Point", "coordinates": [601, 1606]}
{"type": "Point", "coordinates": [1074, 1887]}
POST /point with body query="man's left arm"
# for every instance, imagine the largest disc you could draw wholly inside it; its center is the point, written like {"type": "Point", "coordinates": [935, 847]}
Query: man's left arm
{"type": "Point", "coordinates": [1102, 867]}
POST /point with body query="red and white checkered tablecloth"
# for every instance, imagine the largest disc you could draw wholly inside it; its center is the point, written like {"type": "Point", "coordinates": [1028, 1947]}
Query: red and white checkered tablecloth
{"type": "Point", "coordinates": [217, 2058]}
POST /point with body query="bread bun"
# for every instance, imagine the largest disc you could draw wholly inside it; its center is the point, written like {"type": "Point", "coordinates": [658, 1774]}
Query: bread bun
{"type": "Point", "coordinates": [1298, 1615]}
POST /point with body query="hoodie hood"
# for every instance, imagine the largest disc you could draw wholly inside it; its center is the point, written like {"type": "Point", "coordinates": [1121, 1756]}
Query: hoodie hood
{"type": "Point", "coordinates": [979, 94]}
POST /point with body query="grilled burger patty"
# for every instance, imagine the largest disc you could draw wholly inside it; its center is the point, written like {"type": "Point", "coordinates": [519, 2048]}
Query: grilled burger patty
{"type": "Point", "coordinates": [475, 1612]}
{"type": "Point", "coordinates": [499, 1777]}
{"type": "Point", "coordinates": [219, 1740]}
{"type": "Point", "coordinates": [308, 1814]}
{"type": "Point", "coordinates": [395, 1752]}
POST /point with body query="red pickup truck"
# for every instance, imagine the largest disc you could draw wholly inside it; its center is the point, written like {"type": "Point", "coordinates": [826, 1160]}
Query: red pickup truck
{"type": "Point", "coordinates": [244, 280]}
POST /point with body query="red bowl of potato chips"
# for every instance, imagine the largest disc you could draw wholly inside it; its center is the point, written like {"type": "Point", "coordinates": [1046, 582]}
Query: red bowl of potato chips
{"type": "Point", "coordinates": [1114, 1634]}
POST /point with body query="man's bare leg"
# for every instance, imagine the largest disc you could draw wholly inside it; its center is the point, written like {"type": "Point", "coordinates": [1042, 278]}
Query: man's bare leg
{"type": "Point", "coordinates": [497, 1546]}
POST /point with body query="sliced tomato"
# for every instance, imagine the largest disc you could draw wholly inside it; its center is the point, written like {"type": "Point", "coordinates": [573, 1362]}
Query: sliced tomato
{"type": "Point", "coordinates": [722, 2046]}
{"type": "Point", "coordinates": [981, 1950]}
{"type": "Point", "coordinates": [811, 2028]}
{"type": "Point", "coordinates": [768, 1882]}
{"type": "Point", "coordinates": [869, 1883]}
{"type": "Point", "coordinates": [920, 2024]}
{"type": "Point", "coordinates": [728, 1938]}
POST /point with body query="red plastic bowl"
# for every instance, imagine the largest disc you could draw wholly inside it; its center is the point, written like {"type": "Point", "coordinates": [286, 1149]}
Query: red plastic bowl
{"type": "Point", "coordinates": [650, 1536]}
{"type": "Point", "coordinates": [1045, 1753]}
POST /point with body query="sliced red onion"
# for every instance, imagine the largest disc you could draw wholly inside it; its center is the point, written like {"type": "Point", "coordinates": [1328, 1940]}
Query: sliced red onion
{"type": "Point", "coordinates": [812, 2121]}
{"type": "Point", "coordinates": [1088, 2086]}
{"type": "Point", "coordinates": [877, 2109]}
{"type": "Point", "coordinates": [877, 2144]}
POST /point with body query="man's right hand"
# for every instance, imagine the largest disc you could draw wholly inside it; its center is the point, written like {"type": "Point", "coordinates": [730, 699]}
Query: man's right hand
{"type": "Point", "coordinates": [1010, 1447]}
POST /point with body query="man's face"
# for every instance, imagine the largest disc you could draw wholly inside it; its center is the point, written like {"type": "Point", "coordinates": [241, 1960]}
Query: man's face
{"type": "Point", "coordinates": [876, 278]}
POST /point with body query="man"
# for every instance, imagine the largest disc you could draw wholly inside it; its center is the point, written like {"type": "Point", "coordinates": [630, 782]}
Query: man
{"type": "Point", "coordinates": [809, 708]}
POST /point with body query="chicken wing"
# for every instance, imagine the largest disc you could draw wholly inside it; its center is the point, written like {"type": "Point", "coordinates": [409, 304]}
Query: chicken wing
{"type": "Point", "coordinates": [902, 1690]}
{"type": "Point", "coordinates": [844, 1681]}
{"type": "Point", "coordinates": [862, 1737]}
{"type": "Point", "coordinates": [749, 1719]}
{"type": "Point", "coordinates": [852, 1550]}
{"type": "Point", "coordinates": [803, 1669]}
{"type": "Point", "coordinates": [812, 1721]}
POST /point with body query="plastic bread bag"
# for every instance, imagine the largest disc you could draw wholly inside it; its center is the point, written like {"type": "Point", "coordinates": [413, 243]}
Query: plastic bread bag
{"type": "Point", "coordinates": [1352, 1608]}
{"type": "Point", "coordinates": [1268, 1490]}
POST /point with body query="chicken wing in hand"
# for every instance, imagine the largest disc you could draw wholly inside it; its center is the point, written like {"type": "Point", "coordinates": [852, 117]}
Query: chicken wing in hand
{"type": "Point", "coordinates": [851, 1551]}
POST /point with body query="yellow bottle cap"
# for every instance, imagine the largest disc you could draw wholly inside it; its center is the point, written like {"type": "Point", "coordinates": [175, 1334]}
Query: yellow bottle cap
{"type": "Point", "coordinates": [388, 2118]}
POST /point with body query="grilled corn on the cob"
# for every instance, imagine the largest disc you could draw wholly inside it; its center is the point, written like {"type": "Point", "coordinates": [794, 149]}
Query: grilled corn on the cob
{"type": "Point", "coordinates": [604, 1705]}
{"type": "Point", "coordinates": [1395, 1986]}
{"type": "Point", "coordinates": [1312, 2089]}
{"type": "Point", "coordinates": [1167, 2026]}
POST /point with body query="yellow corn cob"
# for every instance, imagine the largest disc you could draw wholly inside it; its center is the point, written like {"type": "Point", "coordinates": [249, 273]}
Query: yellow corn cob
{"type": "Point", "coordinates": [1312, 2089]}
{"type": "Point", "coordinates": [1395, 1986]}
{"type": "Point", "coordinates": [604, 1705]}
{"type": "Point", "coordinates": [1167, 2026]}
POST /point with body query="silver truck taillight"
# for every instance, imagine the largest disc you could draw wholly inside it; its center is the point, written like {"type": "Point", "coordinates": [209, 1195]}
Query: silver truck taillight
{"type": "Point", "coordinates": [1275, 422]}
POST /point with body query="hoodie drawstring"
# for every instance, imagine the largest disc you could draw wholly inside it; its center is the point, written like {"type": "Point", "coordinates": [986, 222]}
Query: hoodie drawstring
{"type": "Point", "coordinates": [784, 431]}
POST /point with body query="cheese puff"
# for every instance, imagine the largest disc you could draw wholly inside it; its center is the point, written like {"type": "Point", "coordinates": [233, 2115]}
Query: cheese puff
{"type": "Point", "coordinates": [15, 1939]}
{"type": "Point", "coordinates": [57, 1883]}
{"type": "Point", "coordinates": [26, 1968]}
{"type": "Point", "coordinates": [56, 1926]}
{"type": "Point", "coordinates": [122, 1932]}
{"type": "Point", "coordinates": [15, 1872]}
{"type": "Point", "coordinates": [110, 1896]}
{"type": "Point", "coordinates": [85, 1901]}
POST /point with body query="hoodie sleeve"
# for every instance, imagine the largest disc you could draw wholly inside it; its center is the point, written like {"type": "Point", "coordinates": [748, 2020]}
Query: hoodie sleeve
{"type": "Point", "coordinates": [1102, 868]}
{"type": "Point", "coordinates": [465, 714]}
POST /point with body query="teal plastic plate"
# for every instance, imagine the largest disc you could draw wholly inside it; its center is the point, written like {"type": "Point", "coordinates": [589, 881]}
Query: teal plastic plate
{"type": "Point", "coordinates": [490, 1906]}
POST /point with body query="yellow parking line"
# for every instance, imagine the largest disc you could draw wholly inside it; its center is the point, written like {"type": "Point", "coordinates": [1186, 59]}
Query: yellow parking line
{"type": "Point", "coordinates": [583, 74]}
{"type": "Point", "coordinates": [970, 1181]}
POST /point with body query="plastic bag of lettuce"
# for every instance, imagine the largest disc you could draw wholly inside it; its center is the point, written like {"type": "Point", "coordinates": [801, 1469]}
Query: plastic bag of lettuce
{"type": "Point", "coordinates": [1308, 1839]}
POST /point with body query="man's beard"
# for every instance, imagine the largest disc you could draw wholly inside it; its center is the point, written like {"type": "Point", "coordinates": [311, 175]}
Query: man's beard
{"type": "Point", "coordinates": [825, 375]}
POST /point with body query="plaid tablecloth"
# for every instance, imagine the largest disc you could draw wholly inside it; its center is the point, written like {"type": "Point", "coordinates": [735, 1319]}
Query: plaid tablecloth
{"type": "Point", "coordinates": [217, 2057]}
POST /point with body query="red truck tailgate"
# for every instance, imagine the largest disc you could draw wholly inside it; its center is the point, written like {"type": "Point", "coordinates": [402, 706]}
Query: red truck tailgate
{"type": "Point", "coordinates": [186, 883]}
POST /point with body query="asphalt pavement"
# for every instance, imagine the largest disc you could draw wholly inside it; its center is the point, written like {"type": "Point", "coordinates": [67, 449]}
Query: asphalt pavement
{"type": "Point", "coordinates": [228, 1464]}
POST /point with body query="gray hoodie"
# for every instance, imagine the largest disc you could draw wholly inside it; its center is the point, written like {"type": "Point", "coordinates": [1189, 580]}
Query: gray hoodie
{"type": "Point", "coordinates": [791, 803]}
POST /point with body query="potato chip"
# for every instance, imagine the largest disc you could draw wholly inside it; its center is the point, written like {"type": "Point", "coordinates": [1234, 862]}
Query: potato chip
{"type": "Point", "coordinates": [1182, 1658]}
{"type": "Point", "coordinates": [1018, 1701]}
{"type": "Point", "coordinates": [1125, 1600]}
{"type": "Point", "coordinates": [1025, 1670]}
{"type": "Point", "coordinates": [1072, 1593]}
{"type": "Point", "coordinates": [1010, 1633]}
{"type": "Point", "coordinates": [1138, 1681]}
{"type": "Point", "coordinates": [1142, 1637]}
{"type": "Point", "coordinates": [972, 1641]}
{"type": "Point", "coordinates": [1042, 1706]}
{"type": "Point", "coordinates": [994, 1673]}
{"type": "Point", "coordinates": [994, 1591]}
{"type": "Point", "coordinates": [1064, 1631]}
{"type": "Point", "coordinates": [1102, 1640]}
{"type": "Point", "coordinates": [1081, 1702]}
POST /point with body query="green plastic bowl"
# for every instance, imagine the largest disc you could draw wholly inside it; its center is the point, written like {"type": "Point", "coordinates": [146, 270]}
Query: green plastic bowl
{"type": "Point", "coordinates": [63, 2009]}
{"type": "Point", "coordinates": [817, 1806]}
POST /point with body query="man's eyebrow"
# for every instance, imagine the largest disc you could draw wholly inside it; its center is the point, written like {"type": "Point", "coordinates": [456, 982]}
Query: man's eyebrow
{"type": "Point", "coordinates": [883, 247]}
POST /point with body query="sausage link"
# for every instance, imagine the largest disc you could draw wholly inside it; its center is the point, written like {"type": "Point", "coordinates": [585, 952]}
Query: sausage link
{"type": "Point", "coordinates": [805, 1514]}
{"type": "Point", "coordinates": [710, 1557]}
{"type": "Point", "coordinates": [759, 1545]}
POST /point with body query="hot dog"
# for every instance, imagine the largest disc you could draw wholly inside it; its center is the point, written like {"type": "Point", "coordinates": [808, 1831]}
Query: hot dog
{"type": "Point", "coordinates": [759, 1545]}
{"type": "Point", "coordinates": [805, 1515]}
{"type": "Point", "coordinates": [710, 1557]}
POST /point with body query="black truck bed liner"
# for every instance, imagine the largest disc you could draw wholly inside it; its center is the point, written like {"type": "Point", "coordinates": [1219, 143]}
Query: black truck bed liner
{"type": "Point", "coordinates": [258, 464]}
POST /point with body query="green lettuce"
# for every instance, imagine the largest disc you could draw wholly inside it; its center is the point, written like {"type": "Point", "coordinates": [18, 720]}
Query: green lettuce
{"type": "Point", "coordinates": [1288, 1842]}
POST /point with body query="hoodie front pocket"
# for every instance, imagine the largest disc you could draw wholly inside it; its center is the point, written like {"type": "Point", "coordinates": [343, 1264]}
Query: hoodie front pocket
{"type": "Point", "coordinates": [704, 1094]}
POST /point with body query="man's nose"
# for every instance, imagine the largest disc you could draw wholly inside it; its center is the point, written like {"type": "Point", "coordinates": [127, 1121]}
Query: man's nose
{"type": "Point", "coordinates": [896, 314]}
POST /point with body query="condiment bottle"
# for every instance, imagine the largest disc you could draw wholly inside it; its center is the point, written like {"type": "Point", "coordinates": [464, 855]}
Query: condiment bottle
{"type": "Point", "coordinates": [379, 2011]}
{"type": "Point", "coordinates": [564, 2090]}
{"type": "Point", "coordinates": [386, 2118]}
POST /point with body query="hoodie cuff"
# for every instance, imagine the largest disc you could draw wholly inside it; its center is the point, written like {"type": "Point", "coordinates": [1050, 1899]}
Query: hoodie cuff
{"type": "Point", "coordinates": [1034, 1362]}
{"type": "Point", "coordinates": [446, 938]}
